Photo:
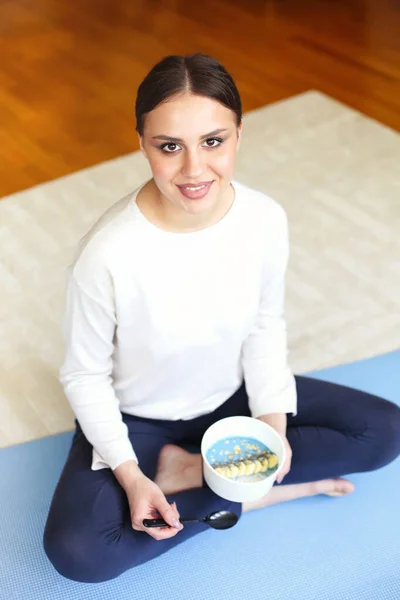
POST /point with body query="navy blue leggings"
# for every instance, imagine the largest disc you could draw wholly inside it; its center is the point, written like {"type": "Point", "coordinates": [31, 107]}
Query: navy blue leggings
{"type": "Point", "coordinates": [88, 535]}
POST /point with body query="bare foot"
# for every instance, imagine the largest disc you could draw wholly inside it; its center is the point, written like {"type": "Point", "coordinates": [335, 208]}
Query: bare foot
{"type": "Point", "coordinates": [178, 470]}
{"type": "Point", "coordinates": [283, 493]}
{"type": "Point", "coordinates": [334, 487]}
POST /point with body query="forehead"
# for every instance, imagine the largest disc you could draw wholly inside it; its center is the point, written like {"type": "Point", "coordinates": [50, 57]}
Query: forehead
{"type": "Point", "coordinates": [187, 116]}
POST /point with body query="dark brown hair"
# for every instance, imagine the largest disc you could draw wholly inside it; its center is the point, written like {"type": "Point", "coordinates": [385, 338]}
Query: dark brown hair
{"type": "Point", "coordinates": [198, 74]}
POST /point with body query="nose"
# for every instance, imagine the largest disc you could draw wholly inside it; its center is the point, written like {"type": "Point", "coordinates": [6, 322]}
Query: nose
{"type": "Point", "coordinates": [192, 167]}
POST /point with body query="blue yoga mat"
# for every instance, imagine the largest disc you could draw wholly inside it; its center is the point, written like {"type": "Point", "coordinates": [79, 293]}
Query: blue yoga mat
{"type": "Point", "coordinates": [311, 549]}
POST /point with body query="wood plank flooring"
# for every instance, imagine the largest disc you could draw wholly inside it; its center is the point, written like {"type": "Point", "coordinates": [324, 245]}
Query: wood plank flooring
{"type": "Point", "coordinates": [69, 70]}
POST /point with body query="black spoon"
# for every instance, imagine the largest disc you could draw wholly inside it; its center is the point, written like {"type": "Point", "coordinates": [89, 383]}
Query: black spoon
{"type": "Point", "coordinates": [217, 520]}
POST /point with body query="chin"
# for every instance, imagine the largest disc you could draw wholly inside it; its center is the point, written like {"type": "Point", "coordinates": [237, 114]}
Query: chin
{"type": "Point", "coordinates": [202, 205]}
{"type": "Point", "coordinates": [198, 208]}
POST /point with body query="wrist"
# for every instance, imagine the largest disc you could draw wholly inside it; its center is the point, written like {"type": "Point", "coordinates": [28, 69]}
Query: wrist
{"type": "Point", "coordinates": [128, 473]}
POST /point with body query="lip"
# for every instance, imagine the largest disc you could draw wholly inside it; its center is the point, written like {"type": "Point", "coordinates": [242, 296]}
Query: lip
{"type": "Point", "coordinates": [195, 194]}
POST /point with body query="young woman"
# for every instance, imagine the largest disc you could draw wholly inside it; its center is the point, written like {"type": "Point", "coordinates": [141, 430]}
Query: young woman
{"type": "Point", "coordinates": [174, 320]}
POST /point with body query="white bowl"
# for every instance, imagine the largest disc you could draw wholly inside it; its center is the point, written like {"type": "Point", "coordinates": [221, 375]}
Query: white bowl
{"type": "Point", "coordinates": [237, 491]}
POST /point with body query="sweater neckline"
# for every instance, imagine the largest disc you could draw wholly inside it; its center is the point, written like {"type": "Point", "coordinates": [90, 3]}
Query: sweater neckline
{"type": "Point", "coordinates": [151, 227]}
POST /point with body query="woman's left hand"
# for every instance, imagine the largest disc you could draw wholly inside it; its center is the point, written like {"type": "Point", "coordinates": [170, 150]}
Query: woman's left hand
{"type": "Point", "coordinates": [288, 461]}
{"type": "Point", "coordinates": [279, 422]}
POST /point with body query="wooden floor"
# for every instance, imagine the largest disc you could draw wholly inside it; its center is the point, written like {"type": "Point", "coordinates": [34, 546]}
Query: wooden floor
{"type": "Point", "coordinates": [69, 70]}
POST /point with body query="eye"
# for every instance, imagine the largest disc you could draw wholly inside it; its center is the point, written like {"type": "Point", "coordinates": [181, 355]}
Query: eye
{"type": "Point", "coordinates": [169, 147]}
{"type": "Point", "coordinates": [210, 142]}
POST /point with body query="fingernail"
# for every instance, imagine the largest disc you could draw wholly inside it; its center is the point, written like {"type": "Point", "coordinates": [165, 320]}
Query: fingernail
{"type": "Point", "coordinates": [177, 524]}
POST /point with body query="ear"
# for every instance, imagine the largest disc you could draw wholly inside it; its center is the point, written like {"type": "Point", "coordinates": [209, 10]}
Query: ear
{"type": "Point", "coordinates": [141, 143]}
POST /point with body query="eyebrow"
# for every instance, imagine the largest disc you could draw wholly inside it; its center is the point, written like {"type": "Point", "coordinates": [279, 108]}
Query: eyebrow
{"type": "Point", "coordinates": [175, 139]}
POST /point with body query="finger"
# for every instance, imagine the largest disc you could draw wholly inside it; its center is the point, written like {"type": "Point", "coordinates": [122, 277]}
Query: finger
{"type": "Point", "coordinates": [163, 533]}
{"type": "Point", "coordinates": [283, 475]}
{"type": "Point", "coordinates": [154, 513]}
{"type": "Point", "coordinates": [177, 511]}
{"type": "Point", "coordinates": [168, 512]}
{"type": "Point", "coordinates": [158, 533]}
{"type": "Point", "coordinates": [137, 523]}
{"type": "Point", "coordinates": [142, 511]}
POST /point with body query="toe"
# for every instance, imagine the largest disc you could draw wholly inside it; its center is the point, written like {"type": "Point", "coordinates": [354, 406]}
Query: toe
{"type": "Point", "coordinates": [333, 487]}
{"type": "Point", "coordinates": [341, 487]}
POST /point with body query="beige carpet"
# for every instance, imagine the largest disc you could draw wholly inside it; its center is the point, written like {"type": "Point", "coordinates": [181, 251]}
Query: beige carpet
{"type": "Point", "coordinates": [336, 173]}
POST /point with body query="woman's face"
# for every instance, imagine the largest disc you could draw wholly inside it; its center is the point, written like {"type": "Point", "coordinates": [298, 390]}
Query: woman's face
{"type": "Point", "coordinates": [191, 143]}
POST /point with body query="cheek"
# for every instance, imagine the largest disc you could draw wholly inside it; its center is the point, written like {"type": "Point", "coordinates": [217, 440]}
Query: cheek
{"type": "Point", "coordinates": [224, 162]}
{"type": "Point", "coordinates": [162, 168]}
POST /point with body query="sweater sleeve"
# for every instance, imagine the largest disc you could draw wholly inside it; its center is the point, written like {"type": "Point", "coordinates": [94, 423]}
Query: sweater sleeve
{"type": "Point", "coordinates": [86, 374]}
{"type": "Point", "coordinates": [269, 381]}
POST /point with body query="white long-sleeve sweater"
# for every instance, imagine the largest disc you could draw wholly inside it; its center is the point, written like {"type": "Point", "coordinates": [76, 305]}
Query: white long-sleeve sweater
{"type": "Point", "coordinates": [167, 325]}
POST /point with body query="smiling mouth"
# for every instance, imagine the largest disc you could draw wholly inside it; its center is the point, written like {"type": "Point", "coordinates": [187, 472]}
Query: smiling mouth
{"type": "Point", "coordinates": [195, 192]}
{"type": "Point", "coordinates": [195, 188]}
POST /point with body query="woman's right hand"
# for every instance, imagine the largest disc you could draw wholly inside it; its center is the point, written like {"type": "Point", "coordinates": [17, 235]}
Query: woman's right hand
{"type": "Point", "coordinates": [146, 500]}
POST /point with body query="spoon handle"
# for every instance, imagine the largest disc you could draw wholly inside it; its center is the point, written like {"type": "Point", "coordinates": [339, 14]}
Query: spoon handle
{"type": "Point", "coordinates": [162, 523]}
